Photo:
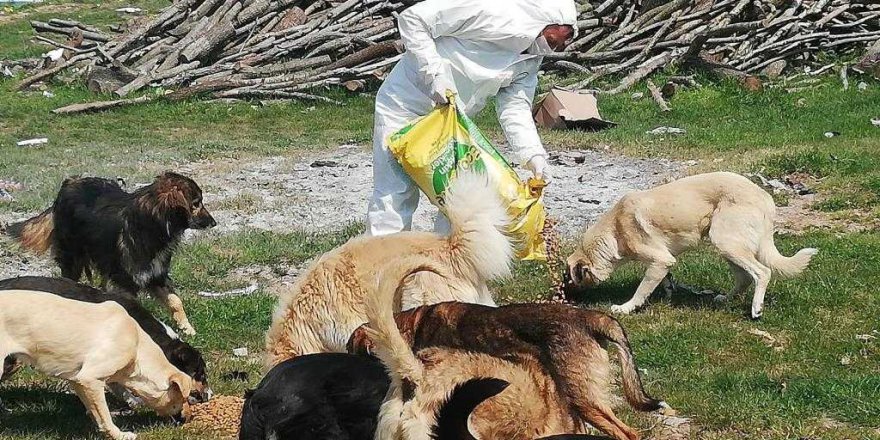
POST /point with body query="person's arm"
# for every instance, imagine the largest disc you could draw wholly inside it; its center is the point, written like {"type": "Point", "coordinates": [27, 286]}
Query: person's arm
{"type": "Point", "coordinates": [514, 108]}
{"type": "Point", "coordinates": [421, 24]}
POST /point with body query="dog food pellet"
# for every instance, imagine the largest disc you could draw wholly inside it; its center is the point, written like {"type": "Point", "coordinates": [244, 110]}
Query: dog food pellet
{"type": "Point", "coordinates": [221, 415]}
{"type": "Point", "coordinates": [555, 265]}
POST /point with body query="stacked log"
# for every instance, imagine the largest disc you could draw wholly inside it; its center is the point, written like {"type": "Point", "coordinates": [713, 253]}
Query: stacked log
{"type": "Point", "coordinates": [730, 38]}
{"type": "Point", "coordinates": [286, 49]}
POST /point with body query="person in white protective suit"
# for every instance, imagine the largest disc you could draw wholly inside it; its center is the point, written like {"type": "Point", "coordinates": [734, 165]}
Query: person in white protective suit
{"type": "Point", "coordinates": [477, 49]}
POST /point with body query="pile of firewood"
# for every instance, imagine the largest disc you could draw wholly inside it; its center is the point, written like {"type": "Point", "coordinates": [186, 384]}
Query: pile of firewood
{"type": "Point", "coordinates": [236, 49]}
{"type": "Point", "coordinates": [286, 49]}
{"type": "Point", "coordinates": [731, 38]}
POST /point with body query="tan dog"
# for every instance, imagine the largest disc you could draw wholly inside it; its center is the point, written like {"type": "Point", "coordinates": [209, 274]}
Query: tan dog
{"type": "Point", "coordinates": [655, 226]}
{"type": "Point", "coordinates": [570, 343]}
{"type": "Point", "coordinates": [327, 302]}
{"type": "Point", "coordinates": [91, 346]}
{"type": "Point", "coordinates": [530, 407]}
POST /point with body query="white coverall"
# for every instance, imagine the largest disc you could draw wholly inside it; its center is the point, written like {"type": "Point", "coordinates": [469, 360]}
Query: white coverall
{"type": "Point", "coordinates": [479, 46]}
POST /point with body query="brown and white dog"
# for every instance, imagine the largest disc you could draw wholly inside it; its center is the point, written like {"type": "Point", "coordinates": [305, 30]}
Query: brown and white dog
{"type": "Point", "coordinates": [569, 343]}
{"type": "Point", "coordinates": [319, 313]}
{"type": "Point", "coordinates": [531, 406]}
{"type": "Point", "coordinates": [656, 225]}
{"type": "Point", "coordinates": [91, 346]}
{"type": "Point", "coordinates": [128, 238]}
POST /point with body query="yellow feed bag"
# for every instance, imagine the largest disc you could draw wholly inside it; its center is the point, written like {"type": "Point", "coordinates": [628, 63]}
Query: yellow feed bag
{"type": "Point", "coordinates": [434, 148]}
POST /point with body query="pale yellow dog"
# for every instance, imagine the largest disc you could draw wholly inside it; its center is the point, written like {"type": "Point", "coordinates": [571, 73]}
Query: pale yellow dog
{"type": "Point", "coordinates": [326, 304]}
{"type": "Point", "coordinates": [655, 226]}
{"type": "Point", "coordinates": [91, 345]}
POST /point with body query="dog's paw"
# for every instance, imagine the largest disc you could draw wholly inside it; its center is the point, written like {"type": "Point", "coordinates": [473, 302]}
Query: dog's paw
{"type": "Point", "coordinates": [188, 330]}
{"type": "Point", "coordinates": [756, 314]}
{"type": "Point", "coordinates": [121, 435]}
{"type": "Point", "coordinates": [621, 309]}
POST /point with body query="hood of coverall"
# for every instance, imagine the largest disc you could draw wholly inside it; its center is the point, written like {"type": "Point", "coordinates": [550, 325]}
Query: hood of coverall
{"type": "Point", "coordinates": [496, 34]}
{"type": "Point", "coordinates": [515, 24]}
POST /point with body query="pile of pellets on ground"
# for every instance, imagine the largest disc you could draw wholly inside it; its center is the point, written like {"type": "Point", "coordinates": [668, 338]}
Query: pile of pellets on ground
{"type": "Point", "coordinates": [220, 415]}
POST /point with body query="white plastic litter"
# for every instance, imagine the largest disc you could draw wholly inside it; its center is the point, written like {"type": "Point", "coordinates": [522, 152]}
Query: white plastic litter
{"type": "Point", "coordinates": [666, 130]}
{"type": "Point", "coordinates": [240, 352]}
{"type": "Point", "coordinates": [129, 10]}
{"type": "Point", "coordinates": [54, 55]}
{"type": "Point", "coordinates": [235, 292]}
{"type": "Point", "coordinates": [32, 142]}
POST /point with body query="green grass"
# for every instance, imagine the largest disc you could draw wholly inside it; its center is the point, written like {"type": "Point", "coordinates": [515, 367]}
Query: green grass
{"type": "Point", "coordinates": [697, 354]}
{"type": "Point", "coordinates": [700, 357]}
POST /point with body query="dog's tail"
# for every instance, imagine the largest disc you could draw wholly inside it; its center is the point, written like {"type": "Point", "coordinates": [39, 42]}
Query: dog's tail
{"type": "Point", "coordinates": [785, 266]}
{"type": "Point", "coordinates": [478, 220]}
{"type": "Point", "coordinates": [35, 234]}
{"type": "Point", "coordinates": [391, 348]}
{"type": "Point", "coordinates": [452, 417]}
{"type": "Point", "coordinates": [610, 329]}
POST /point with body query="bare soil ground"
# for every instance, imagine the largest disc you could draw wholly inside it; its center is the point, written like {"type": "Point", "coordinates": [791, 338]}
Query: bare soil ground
{"type": "Point", "coordinates": [328, 190]}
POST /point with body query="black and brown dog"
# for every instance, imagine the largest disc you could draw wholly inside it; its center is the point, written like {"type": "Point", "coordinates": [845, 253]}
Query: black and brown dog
{"type": "Point", "coordinates": [128, 238]}
{"type": "Point", "coordinates": [179, 353]}
{"type": "Point", "coordinates": [568, 341]}
{"type": "Point", "coordinates": [331, 396]}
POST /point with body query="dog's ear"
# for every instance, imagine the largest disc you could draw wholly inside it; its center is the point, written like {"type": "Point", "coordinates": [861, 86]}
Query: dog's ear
{"type": "Point", "coordinates": [171, 196]}
{"type": "Point", "coordinates": [179, 387]}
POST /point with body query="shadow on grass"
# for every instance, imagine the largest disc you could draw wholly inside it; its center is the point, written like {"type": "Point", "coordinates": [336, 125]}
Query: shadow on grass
{"type": "Point", "coordinates": [616, 292]}
{"type": "Point", "coordinates": [38, 411]}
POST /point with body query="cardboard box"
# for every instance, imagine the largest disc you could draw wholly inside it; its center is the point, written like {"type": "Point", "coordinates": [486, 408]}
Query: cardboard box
{"type": "Point", "coordinates": [570, 110]}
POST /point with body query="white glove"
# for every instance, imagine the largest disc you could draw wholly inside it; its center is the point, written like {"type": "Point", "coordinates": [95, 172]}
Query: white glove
{"type": "Point", "coordinates": [538, 166]}
{"type": "Point", "coordinates": [440, 86]}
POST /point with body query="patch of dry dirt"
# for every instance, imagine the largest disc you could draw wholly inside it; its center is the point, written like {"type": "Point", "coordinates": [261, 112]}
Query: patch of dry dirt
{"type": "Point", "coordinates": [327, 191]}
{"type": "Point", "coordinates": [798, 217]}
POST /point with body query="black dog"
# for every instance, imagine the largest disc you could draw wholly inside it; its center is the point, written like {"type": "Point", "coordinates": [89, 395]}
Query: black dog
{"type": "Point", "coordinates": [127, 237]}
{"type": "Point", "coordinates": [319, 396]}
{"type": "Point", "coordinates": [180, 354]}
{"type": "Point", "coordinates": [336, 396]}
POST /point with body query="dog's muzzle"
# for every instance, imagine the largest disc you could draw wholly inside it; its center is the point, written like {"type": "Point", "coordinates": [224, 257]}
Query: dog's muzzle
{"type": "Point", "coordinates": [200, 396]}
{"type": "Point", "coordinates": [205, 221]}
{"type": "Point", "coordinates": [178, 419]}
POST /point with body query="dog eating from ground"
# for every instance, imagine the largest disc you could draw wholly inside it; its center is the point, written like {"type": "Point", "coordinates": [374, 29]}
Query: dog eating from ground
{"type": "Point", "coordinates": [319, 313]}
{"type": "Point", "coordinates": [530, 407]}
{"type": "Point", "coordinates": [180, 354]}
{"type": "Point", "coordinates": [90, 346]}
{"type": "Point", "coordinates": [569, 343]}
{"type": "Point", "coordinates": [655, 226]}
{"type": "Point", "coordinates": [128, 238]}
{"type": "Point", "coordinates": [324, 396]}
